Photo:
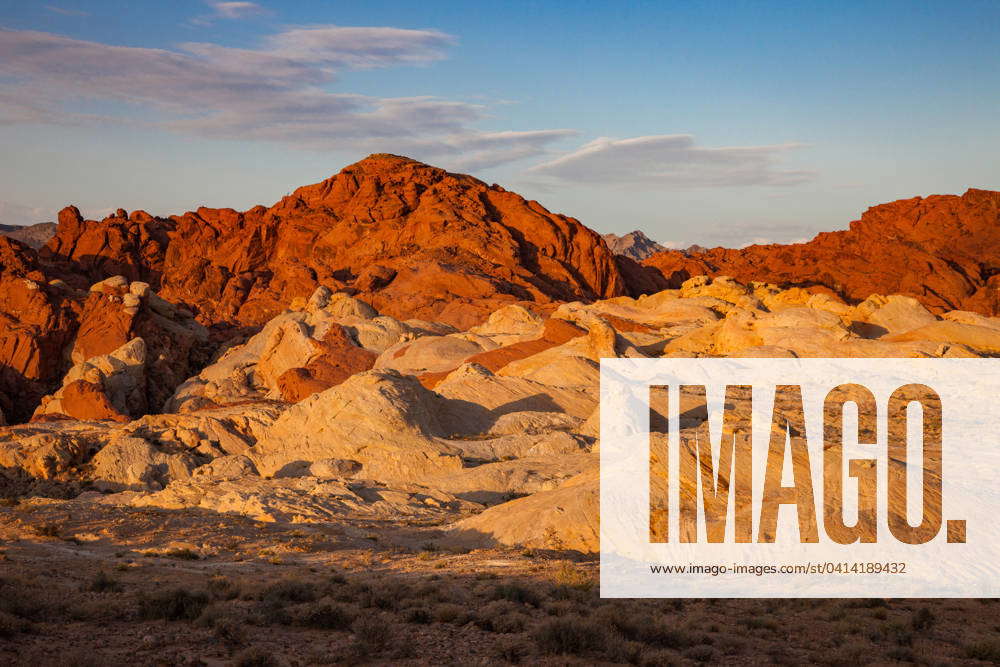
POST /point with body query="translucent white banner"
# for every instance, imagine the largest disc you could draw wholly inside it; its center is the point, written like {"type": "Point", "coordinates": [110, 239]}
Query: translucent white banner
{"type": "Point", "coordinates": [897, 458]}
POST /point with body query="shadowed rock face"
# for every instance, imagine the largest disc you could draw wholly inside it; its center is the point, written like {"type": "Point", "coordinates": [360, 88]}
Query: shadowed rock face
{"type": "Point", "coordinates": [943, 250]}
{"type": "Point", "coordinates": [413, 240]}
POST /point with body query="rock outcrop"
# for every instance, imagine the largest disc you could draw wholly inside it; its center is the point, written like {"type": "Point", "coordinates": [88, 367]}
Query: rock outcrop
{"type": "Point", "coordinates": [411, 239]}
{"type": "Point", "coordinates": [943, 250]}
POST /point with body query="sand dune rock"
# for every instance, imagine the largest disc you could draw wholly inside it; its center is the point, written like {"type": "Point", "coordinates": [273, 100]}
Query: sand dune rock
{"type": "Point", "coordinates": [48, 451]}
{"type": "Point", "coordinates": [432, 354]}
{"type": "Point", "coordinates": [226, 467]}
{"type": "Point", "coordinates": [381, 419]}
{"type": "Point", "coordinates": [531, 422]}
{"type": "Point", "coordinates": [300, 500]}
{"type": "Point", "coordinates": [554, 443]}
{"type": "Point", "coordinates": [214, 432]}
{"type": "Point", "coordinates": [980, 338]}
{"type": "Point", "coordinates": [477, 399]}
{"type": "Point", "coordinates": [133, 463]}
{"type": "Point", "coordinates": [500, 481]}
{"type": "Point", "coordinates": [565, 518]}
{"type": "Point", "coordinates": [890, 314]}
{"type": "Point", "coordinates": [510, 324]}
{"type": "Point", "coordinates": [115, 313]}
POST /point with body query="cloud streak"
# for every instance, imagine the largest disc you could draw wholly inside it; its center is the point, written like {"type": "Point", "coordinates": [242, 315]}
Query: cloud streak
{"type": "Point", "coordinates": [237, 10]}
{"type": "Point", "coordinates": [66, 12]}
{"type": "Point", "coordinates": [672, 161]}
{"type": "Point", "coordinates": [277, 92]}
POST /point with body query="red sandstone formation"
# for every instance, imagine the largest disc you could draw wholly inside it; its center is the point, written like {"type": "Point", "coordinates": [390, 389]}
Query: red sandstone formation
{"type": "Point", "coordinates": [87, 401]}
{"type": "Point", "coordinates": [37, 322]}
{"type": "Point", "coordinates": [414, 240]}
{"type": "Point", "coordinates": [338, 358]}
{"type": "Point", "coordinates": [943, 250]}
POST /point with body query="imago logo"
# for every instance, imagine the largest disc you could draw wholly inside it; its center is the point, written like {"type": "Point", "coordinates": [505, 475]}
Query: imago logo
{"type": "Point", "coordinates": [799, 477]}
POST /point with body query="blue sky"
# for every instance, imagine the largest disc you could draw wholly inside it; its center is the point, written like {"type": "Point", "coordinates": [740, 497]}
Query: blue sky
{"type": "Point", "coordinates": [699, 122]}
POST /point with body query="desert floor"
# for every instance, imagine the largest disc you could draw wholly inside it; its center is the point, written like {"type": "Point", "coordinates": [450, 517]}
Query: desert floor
{"type": "Point", "coordinates": [142, 586]}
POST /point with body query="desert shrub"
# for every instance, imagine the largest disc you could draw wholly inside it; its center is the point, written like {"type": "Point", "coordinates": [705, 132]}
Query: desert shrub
{"type": "Point", "coordinates": [501, 616]}
{"type": "Point", "coordinates": [387, 594]}
{"type": "Point", "coordinates": [373, 633]}
{"type": "Point", "coordinates": [22, 601]}
{"type": "Point", "coordinates": [517, 593]}
{"type": "Point", "coordinates": [564, 607]}
{"type": "Point", "coordinates": [11, 625]}
{"type": "Point", "coordinates": [223, 588]}
{"type": "Point", "coordinates": [182, 554]}
{"type": "Point", "coordinates": [288, 590]}
{"type": "Point", "coordinates": [901, 654]}
{"type": "Point", "coordinates": [658, 658]}
{"type": "Point", "coordinates": [570, 635]}
{"type": "Point", "coordinates": [176, 604]}
{"type": "Point", "coordinates": [268, 613]}
{"type": "Point", "coordinates": [446, 612]}
{"type": "Point", "coordinates": [923, 619]}
{"type": "Point", "coordinates": [987, 651]}
{"type": "Point", "coordinates": [758, 623]}
{"type": "Point", "coordinates": [255, 657]}
{"type": "Point", "coordinates": [899, 634]}
{"type": "Point", "coordinates": [101, 610]}
{"type": "Point", "coordinates": [230, 631]}
{"type": "Point", "coordinates": [104, 583]}
{"type": "Point", "coordinates": [326, 615]}
{"type": "Point", "coordinates": [701, 653]}
{"type": "Point", "coordinates": [846, 653]}
{"type": "Point", "coordinates": [625, 621]}
{"type": "Point", "coordinates": [510, 649]}
{"type": "Point", "coordinates": [573, 577]}
{"type": "Point", "coordinates": [418, 615]}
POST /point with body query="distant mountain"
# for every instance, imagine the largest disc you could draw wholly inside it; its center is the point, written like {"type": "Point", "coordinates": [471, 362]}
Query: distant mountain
{"type": "Point", "coordinates": [943, 250]}
{"type": "Point", "coordinates": [634, 245]}
{"type": "Point", "coordinates": [32, 235]}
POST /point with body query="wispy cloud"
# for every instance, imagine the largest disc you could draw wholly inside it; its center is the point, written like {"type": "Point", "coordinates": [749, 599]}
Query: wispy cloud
{"type": "Point", "coordinates": [672, 161]}
{"type": "Point", "coordinates": [66, 12]}
{"type": "Point", "coordinates": [275, 92]}
{"type": "Point", "coordinates": [228, 11]}
{"type": "Point", "coordinates": [237, 10]}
